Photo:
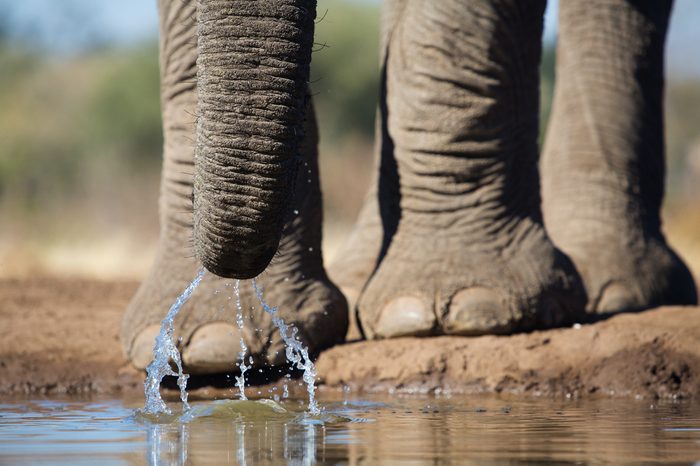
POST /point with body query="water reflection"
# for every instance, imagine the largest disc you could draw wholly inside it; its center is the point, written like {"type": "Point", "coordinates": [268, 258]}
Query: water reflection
{"type": "Point", "coordinates": [167, 444]}
{"type": "Point", "coordinates": [414, 431]}
{"type": "Point", "coordinates": [386, 430]}
{"type": "Point", "coordinates": [237, 432]}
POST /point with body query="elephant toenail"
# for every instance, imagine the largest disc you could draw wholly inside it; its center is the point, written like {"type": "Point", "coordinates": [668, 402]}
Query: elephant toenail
{"type": "Point", "coordinates": [616, 297]}
{"type": "Point", "coordinates": [477, 311]}
{"type": "Point", "coordinates": [141, 353]}
{"type": "Point", "coordinates": [405, 316]}
{"type": "Point", "coordinates": [212, 349]}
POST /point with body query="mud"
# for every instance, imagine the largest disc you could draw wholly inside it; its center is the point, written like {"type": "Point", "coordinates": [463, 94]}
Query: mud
{"type": "Point", "coordinates": [60, 336]}
{"type": "Point", "coordinates": [654, 354]}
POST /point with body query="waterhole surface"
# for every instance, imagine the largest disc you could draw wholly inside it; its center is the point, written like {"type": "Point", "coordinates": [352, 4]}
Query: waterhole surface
{"type": "Point", "coordinates": [370, 430]}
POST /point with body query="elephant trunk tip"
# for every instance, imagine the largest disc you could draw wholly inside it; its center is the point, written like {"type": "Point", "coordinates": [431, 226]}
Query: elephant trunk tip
{"type": "Point", "coordinates": [241, 263]}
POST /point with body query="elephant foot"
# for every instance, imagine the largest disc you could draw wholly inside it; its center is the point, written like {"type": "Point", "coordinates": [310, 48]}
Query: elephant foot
{"type": "Point", "coordinates": [455, 283]}
{"type": "Point", "coordinates": [206, 327]}
{"type": "Point", "coordinates": [603, 159]}
{"type": "Point", "coordinates": [622, 277]}
{"type": "Point", "coordinates": [467, 254]}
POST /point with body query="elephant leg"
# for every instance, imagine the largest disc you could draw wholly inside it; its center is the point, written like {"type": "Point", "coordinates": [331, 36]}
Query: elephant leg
{"type": "Point", "coordinates": [603, 160]}
{"type": "Point", "coordinates": [470, 255]}
{"type": "Point", "coordinates": [295, 282]}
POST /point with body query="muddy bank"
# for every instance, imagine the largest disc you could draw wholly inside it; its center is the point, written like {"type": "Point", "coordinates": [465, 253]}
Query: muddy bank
{"type": "Point", "coordinates": [61, 336]}
{"type": "Point", "coordinates": [652, 354]}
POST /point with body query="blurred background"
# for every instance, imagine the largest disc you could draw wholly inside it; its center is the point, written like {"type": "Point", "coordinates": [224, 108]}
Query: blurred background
{"type": "Point", "coordinates": [80, 129]}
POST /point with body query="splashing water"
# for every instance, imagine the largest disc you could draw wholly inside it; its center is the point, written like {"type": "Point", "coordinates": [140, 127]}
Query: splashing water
{"type": "Point", "coordinates": [165, 350]}
{"type": "Point", "coordinates": [296, 353]}
{"type": "Point", "coordinates": [240, 380]}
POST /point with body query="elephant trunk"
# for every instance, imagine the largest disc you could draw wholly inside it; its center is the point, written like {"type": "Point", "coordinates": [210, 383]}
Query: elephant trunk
{"type": "Point", "coordinates": [252, 73]}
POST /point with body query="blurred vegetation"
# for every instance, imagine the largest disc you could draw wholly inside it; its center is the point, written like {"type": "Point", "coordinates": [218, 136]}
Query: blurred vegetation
{"type": "Point", "coordinates": [683, 138]}
{"type": "Point", "coordinates": [80, 136]}
{"type": "Point", "coordinates": [345, 69]}
{"type": "Point", "coordinates": [61, 121]}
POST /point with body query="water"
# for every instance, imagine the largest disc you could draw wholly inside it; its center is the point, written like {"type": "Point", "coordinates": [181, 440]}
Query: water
{"type": "Point", "coordinates": [240, 379]}
{"type": "Point", "coordinates": [368, 430]}
{"type": "Point", "coordinates": [297, 354]}
{"type": "Point", "coordinates": [164, 351]}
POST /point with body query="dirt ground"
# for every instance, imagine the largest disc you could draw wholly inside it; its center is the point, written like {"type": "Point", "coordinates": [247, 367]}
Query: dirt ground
{"type": "Point", "coordinates": [60, 336]}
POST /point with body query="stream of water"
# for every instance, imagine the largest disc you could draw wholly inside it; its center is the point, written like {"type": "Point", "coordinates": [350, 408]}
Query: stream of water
{"type": "Point", "coordinates": [297, 354]}
{"type": "Point", "coordinates": [240, 379]}
{"type": "Point", "coordinates": [165, 351]}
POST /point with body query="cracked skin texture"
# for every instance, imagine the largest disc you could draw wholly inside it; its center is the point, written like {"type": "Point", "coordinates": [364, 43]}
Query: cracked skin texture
{"type": "Point", "coordinates": [54, 344]}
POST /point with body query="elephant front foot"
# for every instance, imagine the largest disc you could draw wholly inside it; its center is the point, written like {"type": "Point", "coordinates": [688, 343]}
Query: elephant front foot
{"type": "Point", "coordinates": [603, 159]}
{"type": "Point", "coordinates": [624, 277]}
{"type": "Point", "coordinates": [206, 328]}
{"type": "Point", "coordinates": [456, 283]}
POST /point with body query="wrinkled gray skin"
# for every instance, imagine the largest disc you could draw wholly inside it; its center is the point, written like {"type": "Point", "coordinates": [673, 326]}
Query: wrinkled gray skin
{"type": "Point", "coordinates": [452, 237]}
